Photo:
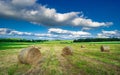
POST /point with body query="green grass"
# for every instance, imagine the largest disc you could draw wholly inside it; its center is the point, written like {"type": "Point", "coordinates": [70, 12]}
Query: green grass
{"type": "Point", "coordinates": [12, 69]}
{"type": "Point", "coordinates": [84, 61]}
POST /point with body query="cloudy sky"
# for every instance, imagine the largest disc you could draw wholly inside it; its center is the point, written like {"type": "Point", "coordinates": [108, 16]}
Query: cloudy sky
{"type": "Point", "coordinates": [59, 19]}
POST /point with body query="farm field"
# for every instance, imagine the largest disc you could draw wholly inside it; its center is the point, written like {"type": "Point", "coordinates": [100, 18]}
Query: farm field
{"type": "Point", "coordinates": [84, 61]}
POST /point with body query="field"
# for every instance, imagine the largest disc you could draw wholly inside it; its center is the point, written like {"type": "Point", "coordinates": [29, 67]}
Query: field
{"type": "Point", "coordinates": [84, 61]}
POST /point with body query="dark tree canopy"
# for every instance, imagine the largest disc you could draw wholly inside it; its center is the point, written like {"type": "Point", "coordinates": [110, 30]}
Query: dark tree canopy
{"type": "Point", "coordinates": [96, 39]}
{"type": "Point", "coordinates": [20, 40]}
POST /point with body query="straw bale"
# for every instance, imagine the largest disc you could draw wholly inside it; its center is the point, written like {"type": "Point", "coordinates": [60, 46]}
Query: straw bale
{"type": "Point", "coordinates": [67, 50]}
{"type": "Point", "coordinates": [105, 48]}
{"type": "Point", "coordinates": [29, 55]}
{"type": "Point", "coordinates": [82, 46]}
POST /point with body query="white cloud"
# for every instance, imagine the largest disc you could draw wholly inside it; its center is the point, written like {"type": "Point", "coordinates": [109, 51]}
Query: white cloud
{"type": "Point", "coordinates": [89, 23]}
{"type": "Point", "coordinates": [6, 31]}
{"type": "Point", "coordinates": [109, 34]}
{"type": "Point", "coordinates": [20, 33]}
{"type": "Point", "coordinates": [85, 28]}
{"type": "Point", "coordinates": [69, 34]}
{"type": "Point", "coordinates": [57, 30]}
{"type": "Point", "coordinates": [53, 33]}
{"type": "Point", "coordinates": [23, 2]}
{"type": "Point", "coordinates": [57, 33]}
{"type": "Point", "coordinates": [43, 35]}
{"type": "Point", "coordinates": [33, 12]}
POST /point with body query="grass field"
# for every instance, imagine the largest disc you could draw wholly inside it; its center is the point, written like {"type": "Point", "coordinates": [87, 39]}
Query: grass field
{"type": "Point", "coordinates": [84, 61]}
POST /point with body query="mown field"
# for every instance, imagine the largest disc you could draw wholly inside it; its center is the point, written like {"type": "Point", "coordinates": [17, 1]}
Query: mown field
{"type": "Point", "coordinates": [84, 61]}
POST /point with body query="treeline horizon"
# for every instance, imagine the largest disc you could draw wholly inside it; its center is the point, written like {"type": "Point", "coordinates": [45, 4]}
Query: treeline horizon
{"type": "Point", "coordinates": [19, 40]}
{"type": "Point", "coordinates": [76, 40]}
{"type": "Point", "coordinates": [96, 40]}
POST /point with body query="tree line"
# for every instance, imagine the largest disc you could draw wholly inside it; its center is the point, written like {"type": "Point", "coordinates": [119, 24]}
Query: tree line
{"type": "Point", "coordinates": [77, 40]}
{"type": "Point", "coordinates": [19, 40]}
{"type": "Point", "coordinates": [96, 39]}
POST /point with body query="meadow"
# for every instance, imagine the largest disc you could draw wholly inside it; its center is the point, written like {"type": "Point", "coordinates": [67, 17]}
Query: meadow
{"type": "Point", "coordinates": [84, 61]}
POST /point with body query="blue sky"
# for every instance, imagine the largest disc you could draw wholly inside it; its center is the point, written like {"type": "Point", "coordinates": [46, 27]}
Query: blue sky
{"type": "Point", "coordinates": [59, 19]}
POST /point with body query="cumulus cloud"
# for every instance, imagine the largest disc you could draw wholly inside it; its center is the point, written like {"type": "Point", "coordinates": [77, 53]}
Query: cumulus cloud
{"type": "Point", "coordinates": [89, 23]}
{"type": "Point", "coordinates": [109, 34]}
{"type": "Point", "coordinates": [6, 31]}
{"type": "Point", "coordinates": [53, 33]}
{"type": "Point", "coordinates": [67, 32]}
{"type": "Point", "coordinates": [23, 2]}
{"type": "Point", "coordinates": [85, 28]}
{"type": "Point", "coordinates": [33, 12]}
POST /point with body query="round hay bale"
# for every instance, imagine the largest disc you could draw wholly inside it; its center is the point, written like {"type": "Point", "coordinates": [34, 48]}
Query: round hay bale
{"type": "Point", "coordinates": [36, 47]}
{"type": "Point", "coordinates": [67, 50]}
{"type": "Point", "coordinates": [105, 48]}
{"type": "Point", "coordinates": [82, 46]}
{"type": "Point", "coordinates": [29, 55]}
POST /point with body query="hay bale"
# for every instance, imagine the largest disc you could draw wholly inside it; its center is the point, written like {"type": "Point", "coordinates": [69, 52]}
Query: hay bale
{"type": "Point", "coordinates": [29, 55]}
{"type": "Point", "coordinates": [67, 51]}
{"type": "Point", "coordinates": [105, 48]}
{"type": "Point", "coordinates": [82, 46]}
{"type": "Point", "coordinates": [36, 47]}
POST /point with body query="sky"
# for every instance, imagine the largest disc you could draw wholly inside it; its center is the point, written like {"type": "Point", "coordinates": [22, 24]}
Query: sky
{"type": "Point", "coordinates": [59, 19]}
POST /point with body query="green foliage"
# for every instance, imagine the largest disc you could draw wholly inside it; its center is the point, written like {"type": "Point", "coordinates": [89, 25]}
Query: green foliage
{"type": "Point", "coordinates": [12, 69]}
{"type": "Point", "coordinates": [19, 40]}
{"type": "Point", "coordinates": [97, 39]}
{"type": "Point", "coordinates": [16, 69]}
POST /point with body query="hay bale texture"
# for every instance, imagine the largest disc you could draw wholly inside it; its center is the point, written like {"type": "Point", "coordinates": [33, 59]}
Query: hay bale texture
{"type": "Point", "coordinates": [105, 48]}
{"type": "Point", "coordinates": [67, 51]}
{"type": "Point", "coordinates": [82, 46]}
{"type": "Point", "coordinates": [29, 55]}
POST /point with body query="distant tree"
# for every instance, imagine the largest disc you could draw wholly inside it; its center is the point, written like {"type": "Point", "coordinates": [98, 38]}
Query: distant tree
{"type": "Point", "coordinates": [19, 40]}
{"type": "Point", "coordinates": [96, 39]}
